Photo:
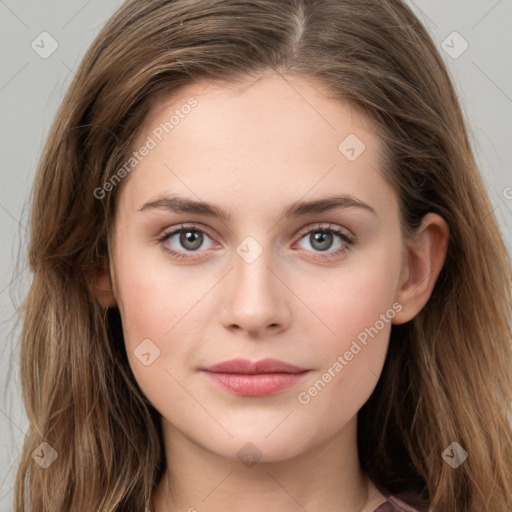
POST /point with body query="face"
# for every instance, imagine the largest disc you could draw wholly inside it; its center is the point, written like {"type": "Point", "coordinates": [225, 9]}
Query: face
{"type": "Point", "coordinates": [312, 287]}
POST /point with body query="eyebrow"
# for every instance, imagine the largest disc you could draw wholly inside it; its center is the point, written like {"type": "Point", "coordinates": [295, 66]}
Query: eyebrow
{"type": "Point", "coordinates": [297, 209]}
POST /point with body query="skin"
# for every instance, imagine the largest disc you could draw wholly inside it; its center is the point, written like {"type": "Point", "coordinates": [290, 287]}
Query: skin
{"type": "Point", "coordinates": [253, 149]}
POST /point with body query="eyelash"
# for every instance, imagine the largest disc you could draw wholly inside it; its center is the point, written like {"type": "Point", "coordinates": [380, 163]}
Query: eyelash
{"type": "Point", "coordinates": [348, 240]}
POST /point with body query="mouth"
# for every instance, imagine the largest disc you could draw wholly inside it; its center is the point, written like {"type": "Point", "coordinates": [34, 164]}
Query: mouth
{"type": "Point", "coordinates": [254, 378]}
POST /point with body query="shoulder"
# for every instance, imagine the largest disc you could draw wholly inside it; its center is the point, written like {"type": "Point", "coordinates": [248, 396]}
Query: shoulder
{"type": "Point", "coordinates": [406, 501]}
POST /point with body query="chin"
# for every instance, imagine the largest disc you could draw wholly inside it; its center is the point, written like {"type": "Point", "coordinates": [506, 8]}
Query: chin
{"type": "Point", "coordinates": [262, 448]}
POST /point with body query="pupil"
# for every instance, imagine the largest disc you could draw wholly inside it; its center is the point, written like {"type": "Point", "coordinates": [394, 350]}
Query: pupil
{"type": "Point", "coordinates": [324, 239]}
{"type": "Point", "coordinates": [191, 237]}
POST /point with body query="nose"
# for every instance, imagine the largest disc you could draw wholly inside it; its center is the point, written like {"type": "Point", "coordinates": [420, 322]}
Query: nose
{"type": "Point", "coordinates": [256, 299]}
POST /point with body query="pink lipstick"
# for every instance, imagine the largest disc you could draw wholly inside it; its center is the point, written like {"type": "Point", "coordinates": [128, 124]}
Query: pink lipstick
{"type": "Point", "coordinates": [254, 378]}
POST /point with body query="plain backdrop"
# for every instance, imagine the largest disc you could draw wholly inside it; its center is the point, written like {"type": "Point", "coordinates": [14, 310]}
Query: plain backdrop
{"type": "Point", "coordinates": [473, 36]}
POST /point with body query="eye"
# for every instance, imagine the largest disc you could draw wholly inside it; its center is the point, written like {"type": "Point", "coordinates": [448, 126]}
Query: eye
{"type": "Point", "coordinates": [322, 237]}
{"type": "Point", "coordinates": [190, 238]}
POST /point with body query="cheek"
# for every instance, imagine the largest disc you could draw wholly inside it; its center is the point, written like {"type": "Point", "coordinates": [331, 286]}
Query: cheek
{"type": "Point", "coordinates": [350, 364]}
{"type": "Point", "coordinates": [152, 297]}
{"type": "Point", "coordinates": [152, 316]}
{"type": "Point", "coordinates": [147, 309]}
{"type": "Point", "coordinates": [356, 309]}
{"type": "Point", "coordinates": [153, 304]}
{"type": "Point", "coordinates": [355, 295]}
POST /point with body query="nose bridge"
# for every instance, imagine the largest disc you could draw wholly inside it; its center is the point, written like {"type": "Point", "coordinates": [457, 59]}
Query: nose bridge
{"type": "Point", "coordinates": [254, 299]}
{"type": "Point", "coordinates": [252, 261]}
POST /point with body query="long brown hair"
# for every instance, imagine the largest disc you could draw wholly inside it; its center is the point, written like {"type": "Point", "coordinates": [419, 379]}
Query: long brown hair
{"type": "Point", "coordinates": [447, 376]}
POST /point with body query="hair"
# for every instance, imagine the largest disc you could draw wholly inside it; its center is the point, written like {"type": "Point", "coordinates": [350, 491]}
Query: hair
{"type": "Point", "coordinates": [447, 375]}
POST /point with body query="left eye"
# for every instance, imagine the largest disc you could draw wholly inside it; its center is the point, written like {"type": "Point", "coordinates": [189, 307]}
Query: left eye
{"type": "Point", "coordinates": [321, 239]}
{"type": "Point", "coordinates": [191, 238]}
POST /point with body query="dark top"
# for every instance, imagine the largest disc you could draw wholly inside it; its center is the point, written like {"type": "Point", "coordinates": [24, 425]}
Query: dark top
{"type": "Point", "coordinates": [406, 501]}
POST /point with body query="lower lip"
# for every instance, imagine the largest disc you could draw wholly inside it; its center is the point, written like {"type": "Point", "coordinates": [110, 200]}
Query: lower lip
{"type": "Point", "coordinates": [255, 385]}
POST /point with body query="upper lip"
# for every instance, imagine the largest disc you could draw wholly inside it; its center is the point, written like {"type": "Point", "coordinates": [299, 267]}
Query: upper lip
{"type": "Point", "coordinates": [244, 366]}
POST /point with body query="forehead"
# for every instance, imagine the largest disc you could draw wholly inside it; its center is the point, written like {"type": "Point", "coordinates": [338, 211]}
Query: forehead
{"type": "Point", "coordinates": [261, 139]}
{"type": "Point", "coordinates": [271, 102]}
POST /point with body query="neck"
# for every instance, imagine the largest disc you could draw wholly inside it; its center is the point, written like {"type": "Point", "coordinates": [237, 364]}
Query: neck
{"type": "Point", "coordinates": [327, 477]}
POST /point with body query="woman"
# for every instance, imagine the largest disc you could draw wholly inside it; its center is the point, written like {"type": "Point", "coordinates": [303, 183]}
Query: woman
{"type": "Point", "coordinates": [256, 370]}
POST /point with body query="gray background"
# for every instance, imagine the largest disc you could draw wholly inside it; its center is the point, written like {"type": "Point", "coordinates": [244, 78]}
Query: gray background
{"type": "Point", "coordinates": [31, 88]}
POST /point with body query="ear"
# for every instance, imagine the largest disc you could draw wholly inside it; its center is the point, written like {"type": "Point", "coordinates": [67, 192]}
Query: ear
{"type": "Point", "coordinates": [101, 286]}
{"type": "Point", "coordinates": [424, 256]}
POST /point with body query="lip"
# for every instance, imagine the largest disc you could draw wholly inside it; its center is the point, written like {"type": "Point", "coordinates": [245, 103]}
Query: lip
{"type": "Point", "coordinates": [254, 378]}
{"type": "Point", "coordinates": [246, 367]}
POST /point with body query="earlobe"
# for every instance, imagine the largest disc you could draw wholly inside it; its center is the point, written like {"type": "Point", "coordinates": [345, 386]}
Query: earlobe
{"type": "Point", "coordinates": [424, 259]}
{"type": "Point", "coordinates": [101, 287]}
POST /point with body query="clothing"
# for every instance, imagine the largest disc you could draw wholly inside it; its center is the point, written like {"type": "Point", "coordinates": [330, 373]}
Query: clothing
{"type": "Point", "coordinates": [406, 501]}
